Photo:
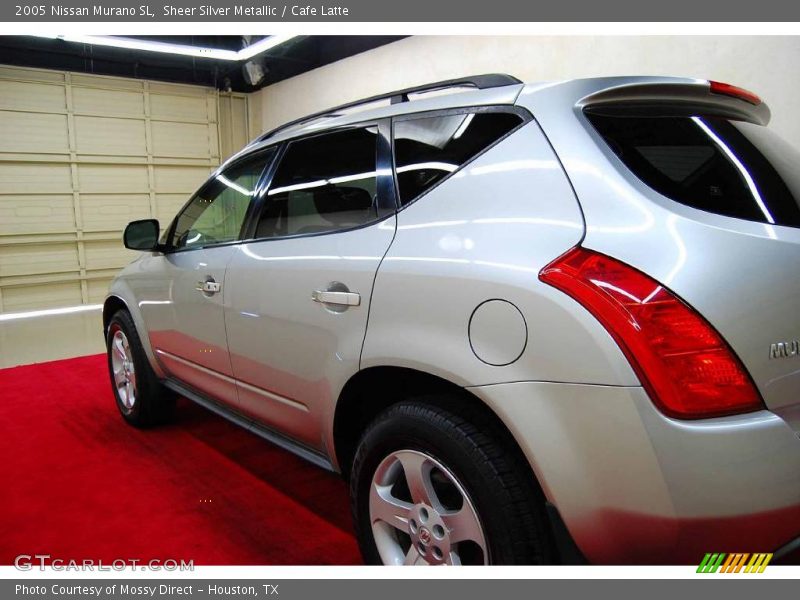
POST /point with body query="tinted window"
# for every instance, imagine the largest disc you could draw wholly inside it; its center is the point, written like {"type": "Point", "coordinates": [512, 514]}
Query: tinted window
{"type": "Point", "coordinates": [429, 149]}
{"type": "Point", "coordinates": [217, 212]}
{"type": "Point", "coordinates": [324, 183]}
{"type": "Point", "coordinates": [725, 167]}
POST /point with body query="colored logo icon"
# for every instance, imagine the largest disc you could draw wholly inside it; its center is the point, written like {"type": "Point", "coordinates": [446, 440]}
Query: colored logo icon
{"type": "Point", "coordinates": [734, 563]}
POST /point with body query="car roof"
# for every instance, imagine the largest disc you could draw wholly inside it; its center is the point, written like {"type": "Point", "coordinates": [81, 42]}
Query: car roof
{"type": "Point", "coordinates": [501, 90]}
{"type": "Point", "coordinates": [505, 95]}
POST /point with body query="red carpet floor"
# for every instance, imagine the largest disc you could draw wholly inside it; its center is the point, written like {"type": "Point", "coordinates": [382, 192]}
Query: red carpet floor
{"type": "Point", "coordinates": [78, 483]}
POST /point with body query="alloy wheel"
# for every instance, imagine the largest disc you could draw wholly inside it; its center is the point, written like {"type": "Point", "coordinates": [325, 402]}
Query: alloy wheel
{"type": "Point", "coordinates": [123, 370]}
{"type": "Point", "coordinates": [421, 514]}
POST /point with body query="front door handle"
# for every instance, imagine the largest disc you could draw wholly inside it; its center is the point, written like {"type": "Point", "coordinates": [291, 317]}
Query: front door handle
{"type": "Point", "coordinates": [210, 287]}
{"type": "Point", "coordinates": [337, 298]}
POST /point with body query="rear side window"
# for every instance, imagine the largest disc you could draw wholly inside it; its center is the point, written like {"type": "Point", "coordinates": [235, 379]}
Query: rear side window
{"type": "Point", "coordinates": [429, 149]}
{"type": "Point", "coordinates": [323, 183]}
{"type": "Point", "coordinates": [713, 164]}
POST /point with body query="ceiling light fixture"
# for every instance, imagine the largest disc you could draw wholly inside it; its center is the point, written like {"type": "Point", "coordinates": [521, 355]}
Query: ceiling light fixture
{"type": "Point", "coordinates": [181, 49]}
{"type": "Point", "coordinates": [263, 45]}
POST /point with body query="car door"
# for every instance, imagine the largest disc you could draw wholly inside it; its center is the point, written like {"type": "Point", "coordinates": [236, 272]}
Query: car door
{"type": "Point", "coordinates": [300, 290]}
{"type": "Point", "coordinates": [183, 309]}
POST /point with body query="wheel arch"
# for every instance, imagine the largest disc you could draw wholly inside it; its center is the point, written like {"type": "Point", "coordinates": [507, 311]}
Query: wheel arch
{"type": "Point", "coordinates": [114, 302]}
{"type": "Point", "coordinates": [372, 390]}
{"type": "Point", "coordinates": [111, 305]}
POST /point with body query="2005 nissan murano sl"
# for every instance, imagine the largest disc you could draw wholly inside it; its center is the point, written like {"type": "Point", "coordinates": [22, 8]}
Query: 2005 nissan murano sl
{"type": "Point", "coordinates": [527, 323]}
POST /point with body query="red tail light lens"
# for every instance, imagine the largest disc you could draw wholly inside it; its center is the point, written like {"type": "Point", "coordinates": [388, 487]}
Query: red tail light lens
{"type": "Point", "coordinates": [727, 89]}
{"type": "Point", "coordinates": [684, 364]}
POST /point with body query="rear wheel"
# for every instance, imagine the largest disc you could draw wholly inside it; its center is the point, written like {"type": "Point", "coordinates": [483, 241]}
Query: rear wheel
{"type": "Point", "coordinates": [430, 487]}
{"type": "Point", "coordinates": [141, 398]}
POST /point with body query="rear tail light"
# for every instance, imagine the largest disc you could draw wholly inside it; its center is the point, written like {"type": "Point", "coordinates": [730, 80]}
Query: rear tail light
{"type": "Point", "coordinates": [727, 89]}
{"type": "Point", "coordinates": [684, 364]}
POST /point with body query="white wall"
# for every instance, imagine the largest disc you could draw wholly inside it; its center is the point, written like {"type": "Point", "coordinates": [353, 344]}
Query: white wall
{"type": "Point", "coordinates": [765, 64]}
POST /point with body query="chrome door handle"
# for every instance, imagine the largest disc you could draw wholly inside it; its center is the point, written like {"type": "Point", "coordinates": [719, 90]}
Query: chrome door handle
{"type": "Point", "coordinates": [208, 287]}
{"type": "Point", "coordinates": [338, 298]}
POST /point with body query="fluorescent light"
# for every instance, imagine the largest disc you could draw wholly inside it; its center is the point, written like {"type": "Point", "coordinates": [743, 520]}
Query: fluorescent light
{"type": "Point", "coordinates": [298, 186]}
{"type": "Point", "coordinates": [182, 49]}
{"type": "Point", "coordinates": [331, 181]}
{"type": "Point", "coordinates": [440, 166]}
{"type": "Point", "coordinates": [50, 312]}
{"type": "Point", "coordinates": [354, 177]}
{"type": "Point", "coordinates": [263, 45]}
{"type": "Point", "coordinates": [235, 186]}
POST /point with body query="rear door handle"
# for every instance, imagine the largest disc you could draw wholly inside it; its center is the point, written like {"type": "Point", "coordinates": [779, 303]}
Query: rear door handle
{"type": "Point", "coordinates": [338, 298]}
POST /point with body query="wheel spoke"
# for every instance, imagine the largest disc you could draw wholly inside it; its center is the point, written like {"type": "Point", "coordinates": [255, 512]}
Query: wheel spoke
{"type": "Point", "coordinates": [119, 376]}
{"type": "Point", "coordinates": [463, 525]}
{"type": "Point", "coordinates": [453, 559]}
{"type": "Point", "coordinates": [413, 557]}
{"type": "Point", "coordinates": [385, 507]}
{"type": "Point", "coordinates": [417, 470]}
{"type": "Point", "coordinates": [119, 349]}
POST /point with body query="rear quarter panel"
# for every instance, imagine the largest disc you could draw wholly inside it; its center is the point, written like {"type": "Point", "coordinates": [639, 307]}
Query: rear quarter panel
{"type": "Point", "coordinates": [484, 234]}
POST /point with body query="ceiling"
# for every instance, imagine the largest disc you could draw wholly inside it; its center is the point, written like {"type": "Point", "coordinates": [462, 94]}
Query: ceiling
{"type": "Point", "coordinates": [296, 56]}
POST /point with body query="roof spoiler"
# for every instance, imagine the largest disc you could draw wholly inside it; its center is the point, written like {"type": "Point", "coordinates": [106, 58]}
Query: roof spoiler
{"type": "Point", "coordinates": [679, 97]}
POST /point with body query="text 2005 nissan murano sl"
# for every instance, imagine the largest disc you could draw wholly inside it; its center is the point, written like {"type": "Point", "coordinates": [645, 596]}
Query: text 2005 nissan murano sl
{"type": "Point", "coordinates": [528, 323]}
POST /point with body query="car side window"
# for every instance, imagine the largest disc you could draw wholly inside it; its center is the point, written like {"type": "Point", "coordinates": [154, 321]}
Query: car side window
{"type": "Point", "coordinates": [429, 149]}
{"type": "Point", "coordinates": [217, 212]}
{"type": "Point", "coordinates": [323, 183]}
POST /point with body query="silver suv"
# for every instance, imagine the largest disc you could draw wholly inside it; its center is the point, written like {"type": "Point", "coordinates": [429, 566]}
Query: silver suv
{"type": "Point", "coordinates": [528, 323]}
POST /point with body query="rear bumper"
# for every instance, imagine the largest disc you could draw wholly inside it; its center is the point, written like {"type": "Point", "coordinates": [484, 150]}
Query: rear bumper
{"type": "Point", "coordinates": [634, 486]}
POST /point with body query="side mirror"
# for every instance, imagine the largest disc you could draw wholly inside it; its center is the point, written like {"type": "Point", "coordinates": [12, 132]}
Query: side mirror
{"type": "Point", "coordinates": [141, 235]}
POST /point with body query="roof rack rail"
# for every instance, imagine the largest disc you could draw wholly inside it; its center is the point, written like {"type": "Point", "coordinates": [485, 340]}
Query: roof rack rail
{"type": "Point", "coordinates": [480, 82]}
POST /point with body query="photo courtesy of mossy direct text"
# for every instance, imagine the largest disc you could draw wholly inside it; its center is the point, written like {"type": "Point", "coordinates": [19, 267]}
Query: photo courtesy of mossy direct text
{"type": "Point", "coordinates": [63, 589]}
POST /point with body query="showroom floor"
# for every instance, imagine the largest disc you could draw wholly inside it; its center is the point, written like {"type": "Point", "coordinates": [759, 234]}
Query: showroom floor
{"type": "Point", "coordinates": [86, 485]}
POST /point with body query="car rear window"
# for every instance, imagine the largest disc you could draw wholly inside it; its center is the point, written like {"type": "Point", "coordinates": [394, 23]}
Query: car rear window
{"type": "Point", "coordinates": [710, 163]}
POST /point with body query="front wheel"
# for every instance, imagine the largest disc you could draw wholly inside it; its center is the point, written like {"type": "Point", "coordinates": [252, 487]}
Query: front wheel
{"type": "Point", "coordinates": [141, 398]}
{"type": "Point", "coordinates": [430, 487]}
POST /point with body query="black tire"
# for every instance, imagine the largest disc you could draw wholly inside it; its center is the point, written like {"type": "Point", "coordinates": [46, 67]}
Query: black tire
{"type": "Point", "coordinates": [485, 462]}
{"type": "Point", "coordinates": [153, 403]}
